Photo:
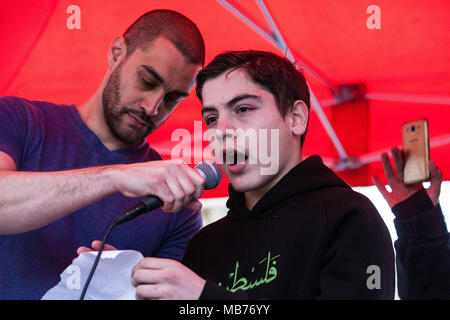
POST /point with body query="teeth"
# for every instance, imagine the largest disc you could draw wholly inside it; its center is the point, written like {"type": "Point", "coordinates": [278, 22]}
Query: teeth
{"type": "Point", "coordinates": [232, 158]}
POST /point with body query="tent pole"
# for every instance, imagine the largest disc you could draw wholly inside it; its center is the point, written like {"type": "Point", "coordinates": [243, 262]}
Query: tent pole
{"type": "Point", "coordinates": [253, 25]}
{"type": "Point", "coordinates": [277, 40]}
{"type": "Point", "coordinates": [408, 98]}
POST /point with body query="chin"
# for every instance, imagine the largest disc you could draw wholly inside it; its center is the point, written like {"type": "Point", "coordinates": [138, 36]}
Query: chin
{"type": "Point", "coordinates": [246, 184]}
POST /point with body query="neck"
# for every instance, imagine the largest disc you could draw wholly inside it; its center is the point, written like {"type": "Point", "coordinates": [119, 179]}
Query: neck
{"type": "Point", "coordinates": [91, 113]}
{"type": "Point", "coordinates": [252, 197]}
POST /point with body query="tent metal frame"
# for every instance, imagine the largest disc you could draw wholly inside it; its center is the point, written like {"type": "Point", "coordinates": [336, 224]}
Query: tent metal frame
{"type": "Point", "coordinates": [275, 37]}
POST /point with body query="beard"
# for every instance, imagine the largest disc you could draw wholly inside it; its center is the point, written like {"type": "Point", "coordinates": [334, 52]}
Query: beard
{"type": "Point", "coordinates": [115, 115]}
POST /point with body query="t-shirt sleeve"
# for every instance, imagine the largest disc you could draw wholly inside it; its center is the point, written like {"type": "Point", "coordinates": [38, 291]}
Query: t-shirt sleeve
{"type": "Point", "coordinates": [186, 224]}
{"type": "Point", "coordinates": [13, 127]}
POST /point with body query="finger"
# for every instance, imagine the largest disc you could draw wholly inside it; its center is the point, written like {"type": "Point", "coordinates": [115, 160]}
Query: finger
{"type": "Point", "coordinates": [189, 183]}
{"type": "Point", "coordinates": [136, 268]}
{"type": "Point", "coordinates": [149, 291]}
{"type": "Point", "coordinates": [151, 264]}
{"type": "Point", "coordinates": [83, 249]}
{"type": "Point", "coordinates": [435, 182]}
{"type": "Point", "coordinates": [150, 276]}
{"type": "Point", "coordinates": [194, 205]}
{"type": "Point", "coordinates": [380, 186]}
{"type": "Point", "coordinates": [435, 173]}
{"type": "Point", "coordinates": [397, 155]}
{"type": "Point", "coordinates": [197, 180]}
{"type": "Point", "coordinates": [155, 263]}
{"type": "Point", "coordinates": [144, 263]}
{"type": "Point", "coordinates": [146, 276]}
{"type": "Point", "coordinates": [165, 194]}
{"type": "Point", "coordinates": [97, 243]}
{"type": "Point", "coordinates": [172, 180]}
{"type": "Point", "coordinates": [388, 171]}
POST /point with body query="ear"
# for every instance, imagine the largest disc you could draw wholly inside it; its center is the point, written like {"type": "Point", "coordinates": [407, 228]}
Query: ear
{"type": "Point", "coordinates": [298, 118]}
{"type": "Point", "coordinates": [117, 51]}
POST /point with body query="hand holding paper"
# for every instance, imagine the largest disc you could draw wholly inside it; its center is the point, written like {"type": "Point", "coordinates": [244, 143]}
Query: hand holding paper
{"type": "Point", "coordinates": [156, 278]}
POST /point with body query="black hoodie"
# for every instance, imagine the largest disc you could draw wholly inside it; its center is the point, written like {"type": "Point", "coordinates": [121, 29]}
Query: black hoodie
{"type": "Point", "coordinates": [309, 237]}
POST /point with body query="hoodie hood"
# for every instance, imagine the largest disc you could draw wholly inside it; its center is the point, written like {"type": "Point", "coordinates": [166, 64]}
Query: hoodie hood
{"type": "Point", "coordinates": [308, 176]}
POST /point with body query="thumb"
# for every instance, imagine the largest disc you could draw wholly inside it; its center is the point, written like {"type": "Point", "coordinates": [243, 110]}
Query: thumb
{"type": "Point", "coordinates": [435, 182]}
{"type": "Point", "coordinates": [97, 243]}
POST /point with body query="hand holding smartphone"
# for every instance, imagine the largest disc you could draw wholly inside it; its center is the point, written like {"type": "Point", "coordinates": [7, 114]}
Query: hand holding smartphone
{"type": "Point", "coordinates": [412, 166]}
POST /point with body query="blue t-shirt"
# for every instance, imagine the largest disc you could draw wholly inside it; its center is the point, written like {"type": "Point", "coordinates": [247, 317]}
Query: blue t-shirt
{"type": "Point", "coordinates": [41, 136]}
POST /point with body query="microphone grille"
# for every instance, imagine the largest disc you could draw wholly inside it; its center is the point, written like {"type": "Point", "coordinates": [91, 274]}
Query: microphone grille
{"type": "Point", "coordinates": [211, 172]}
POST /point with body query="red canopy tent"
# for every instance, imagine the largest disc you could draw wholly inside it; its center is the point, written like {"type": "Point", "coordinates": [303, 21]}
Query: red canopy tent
{"type": "Point", "coordinates": [370, 68]}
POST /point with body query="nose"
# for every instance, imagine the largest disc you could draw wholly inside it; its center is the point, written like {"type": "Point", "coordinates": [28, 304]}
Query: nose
{"type": "Point", "coordinates": [223, 126]}
{"type": "Point", "coordinates": [220, 135]}
{"type": "Point", "coordinates": [152, 102]}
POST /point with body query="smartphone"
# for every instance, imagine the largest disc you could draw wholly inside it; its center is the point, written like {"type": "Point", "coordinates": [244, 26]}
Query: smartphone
{"type": "Point", "coordinates": [416, 151]}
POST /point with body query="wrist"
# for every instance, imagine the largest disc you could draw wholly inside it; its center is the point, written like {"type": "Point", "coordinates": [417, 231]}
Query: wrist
{"type": "Point", "coordinates": [413, 206]}
{"type": "Point", "coordinates": [111, 177]}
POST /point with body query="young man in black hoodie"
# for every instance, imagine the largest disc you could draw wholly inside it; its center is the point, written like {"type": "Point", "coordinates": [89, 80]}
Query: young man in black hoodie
{"type": "Point", "coordinates": [294, 230]}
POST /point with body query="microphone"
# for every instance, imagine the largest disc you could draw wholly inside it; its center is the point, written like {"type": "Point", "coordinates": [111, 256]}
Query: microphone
{"type": "Point", "coordinates": [209, 170]}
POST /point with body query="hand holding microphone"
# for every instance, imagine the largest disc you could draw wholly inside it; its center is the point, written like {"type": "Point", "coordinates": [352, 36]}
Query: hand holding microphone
{"type": "Point", "coordinates": [210, 175]}
{"type": "Point", "coordinates": [173, 182]}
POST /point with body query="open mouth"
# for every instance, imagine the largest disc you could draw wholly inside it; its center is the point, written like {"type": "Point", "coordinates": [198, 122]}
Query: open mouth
{"type": "Point", "coordinates": [235, 161]}
{"type": "Point", "coordinates": [234, 158]}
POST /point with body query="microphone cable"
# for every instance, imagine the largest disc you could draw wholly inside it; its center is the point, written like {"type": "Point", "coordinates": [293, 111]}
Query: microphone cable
{"type": "Point", "coordinates": [97, 259]}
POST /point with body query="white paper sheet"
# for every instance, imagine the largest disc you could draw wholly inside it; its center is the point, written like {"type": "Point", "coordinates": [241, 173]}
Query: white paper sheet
{"type": "Point", "coordinates": [111, 280]}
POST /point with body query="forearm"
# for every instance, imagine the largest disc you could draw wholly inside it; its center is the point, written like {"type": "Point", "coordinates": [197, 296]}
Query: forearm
{"type": "Point", "coordinates": [29, 200]}
{"type": "Point", "coordinates": [423, 255]}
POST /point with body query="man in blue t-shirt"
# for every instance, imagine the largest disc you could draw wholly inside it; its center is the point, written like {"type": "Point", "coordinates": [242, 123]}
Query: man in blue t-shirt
{"type": "Point", "coordinates": [67, 171]}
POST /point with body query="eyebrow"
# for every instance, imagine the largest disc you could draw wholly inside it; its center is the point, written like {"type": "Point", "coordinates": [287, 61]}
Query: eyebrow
{"type": "Point", "coordinates": [160, 79]}
{"type": "Point", "coordinates": [232, 102]}
{"type": "Point", "coordinates": [155, 74]}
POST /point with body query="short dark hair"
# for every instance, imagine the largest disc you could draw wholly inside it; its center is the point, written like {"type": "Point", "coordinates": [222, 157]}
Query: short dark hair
{"type": "Point", "coordinates": [275, 73]}
{"type": "Point", "coordinates": [178, 29]}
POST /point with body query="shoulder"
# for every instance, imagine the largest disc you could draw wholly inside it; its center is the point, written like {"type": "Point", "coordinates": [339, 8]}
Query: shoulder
{"type": "Point", "coordinates": [20, 107]}
{"type": "Point", "coordinates": [210, 232]}
{"type": "Point", "coordinates": [14, 105]}
{"type": "Point", "coordinates": [346, 207]}
{"type": "Point", "coordinates": [345, 199]}
{"type": "Point", "coordinates": [12, 101]}
{"type": "Point", "coordinates": [203, 240]}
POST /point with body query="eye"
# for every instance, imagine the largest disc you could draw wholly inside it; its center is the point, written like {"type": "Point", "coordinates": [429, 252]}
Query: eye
{"type": "Point", "coordinates": [210, 120]}
{"type": "Point", "coordinates": [148, 84]}
{"type": "Point", "coordinates": [242, 109]}
{"type": "Point", "coordinates": [172, 98]}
